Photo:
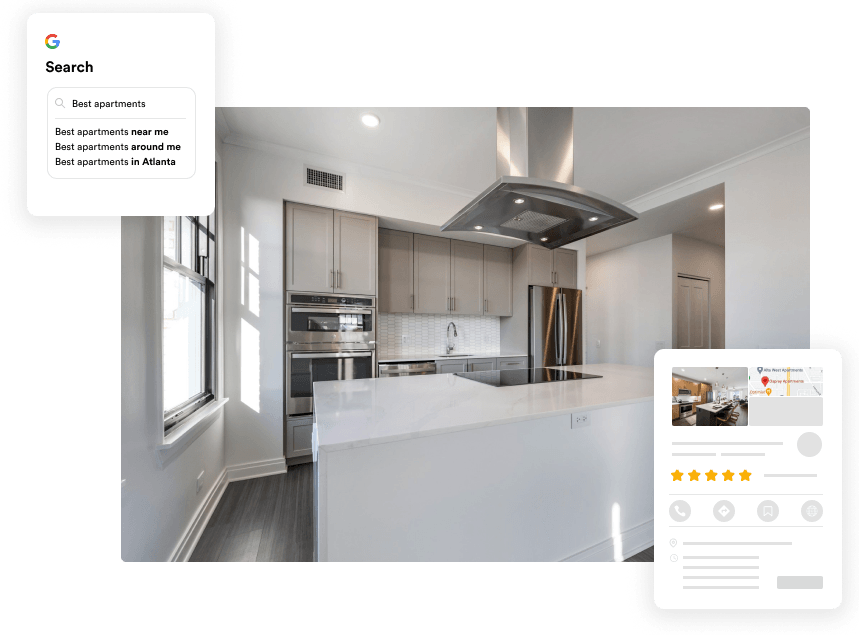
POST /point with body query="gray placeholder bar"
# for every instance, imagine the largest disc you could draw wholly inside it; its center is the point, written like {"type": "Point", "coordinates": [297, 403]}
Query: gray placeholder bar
{"type": "Point", "coordinates": [721, 557]}
{"type": "Point", "coordinates": [799, 582]}
{"type": "Point", "coordinates": [737, 543]}
{"type": "Point", "coordinates": [721, 587]}
{"type": "Point", "coordinates": [743, 454]}
{"type": "Point", "coordinates": [727, 443]}
{"type": "Point", "coordinates": [694, 454]}
{"type": "Point", "coordinates": [786, 411]}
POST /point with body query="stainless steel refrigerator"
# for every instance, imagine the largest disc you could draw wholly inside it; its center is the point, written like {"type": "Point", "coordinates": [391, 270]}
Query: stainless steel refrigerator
{"type": "Point", "coordinates": [554, 326]}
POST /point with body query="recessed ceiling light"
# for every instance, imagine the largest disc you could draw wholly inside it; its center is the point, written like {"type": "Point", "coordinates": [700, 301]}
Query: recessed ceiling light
{"type": "Point", "coordinates": [370, 120]}
{"type": "Point", "coordinates": [593, 218]}
{"type": "Point", "coordinates": [544, 239]}
{"type": "Point", "coordinates": [478, 227]}
{"type": "Point", "coordinates": [519, 201]}
{"type": "Point", "coordinates": [683, 370]}
{"type": "Point", "coordinates": [716, 206]}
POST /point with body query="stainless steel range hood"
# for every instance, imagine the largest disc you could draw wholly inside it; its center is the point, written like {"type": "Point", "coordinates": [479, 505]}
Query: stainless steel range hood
{"type": "Point", "coordinates": [534, 198]}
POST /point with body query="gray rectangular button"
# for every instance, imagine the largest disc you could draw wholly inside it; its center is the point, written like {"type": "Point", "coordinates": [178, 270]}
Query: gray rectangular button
{"type": "Point", "coordinates": [800, 582]}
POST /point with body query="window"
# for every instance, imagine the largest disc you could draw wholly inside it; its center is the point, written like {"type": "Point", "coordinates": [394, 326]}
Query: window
{"type": "Point", "coordinates": [188, 346]}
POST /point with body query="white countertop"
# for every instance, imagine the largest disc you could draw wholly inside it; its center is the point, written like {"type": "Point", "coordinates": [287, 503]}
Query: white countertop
{"type": "Point", "coordinates": [439, 357]}
{"type": "Point", "coordinates": [369, 411]}
{"type": "Point", "coordinates": [714, 407]}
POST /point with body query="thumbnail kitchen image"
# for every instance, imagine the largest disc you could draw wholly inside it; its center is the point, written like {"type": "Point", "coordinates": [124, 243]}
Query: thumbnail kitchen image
{"type": "Point", "coordinates": [710, 396]}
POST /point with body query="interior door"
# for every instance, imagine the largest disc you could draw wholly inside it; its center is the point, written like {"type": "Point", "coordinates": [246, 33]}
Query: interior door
{"type": "Point", "coordinates": [309, 248]}
{"type": "Point", "coordinates": [693, 313]}
{"type": "Point", "coordinates": [466, 278]}
{"type": "Point", "coordinates": [355, 239]}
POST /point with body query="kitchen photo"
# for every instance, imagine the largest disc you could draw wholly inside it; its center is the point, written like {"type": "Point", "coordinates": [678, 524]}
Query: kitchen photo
{"type": "Point", "coordinates": [710, 396]}
{"type": "Point", "coordinates": [427, 334]}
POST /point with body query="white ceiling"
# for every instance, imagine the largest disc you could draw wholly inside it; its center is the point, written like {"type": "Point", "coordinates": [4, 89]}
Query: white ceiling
{"type": "Point", "coordinates": [732, 377]}
{"type": "Point", "coordinates": [690, 216]}
{"type": "Point", "coordinates": [451, 146]}
{"type": "Point", "coordinates": [621, 153]}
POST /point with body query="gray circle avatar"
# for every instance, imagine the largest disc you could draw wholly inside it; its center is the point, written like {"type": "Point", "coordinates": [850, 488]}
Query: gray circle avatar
{"type": "Point", "coordinates": [680, 511]}
{"type": "Point", "coordinates": [812, 511]}
{"type": "Point", "coordinates": [809, 444]}
{"type": "Point", "coordinates": [767, 511]}
{"type": "Point", "coordinates": [723, 511]}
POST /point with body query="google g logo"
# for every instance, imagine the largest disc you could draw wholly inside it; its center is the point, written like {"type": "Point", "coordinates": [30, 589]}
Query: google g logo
{"type": "Point", "coordinates": [51, 41]}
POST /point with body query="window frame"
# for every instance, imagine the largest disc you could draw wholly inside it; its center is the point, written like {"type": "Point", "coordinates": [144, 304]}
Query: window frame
{"type": "Point", "coordinates": [201, 274]}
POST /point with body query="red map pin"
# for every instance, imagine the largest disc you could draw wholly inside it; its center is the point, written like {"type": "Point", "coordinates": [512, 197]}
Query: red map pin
{"type": "Point", "coordinates": [765, 380]}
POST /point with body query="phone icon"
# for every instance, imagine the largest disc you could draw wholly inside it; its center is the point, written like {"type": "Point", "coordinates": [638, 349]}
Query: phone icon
{"type": "Point", "coordinates": [680, 511]}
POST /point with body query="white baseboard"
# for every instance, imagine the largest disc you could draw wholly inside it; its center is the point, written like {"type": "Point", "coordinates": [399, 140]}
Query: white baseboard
{"type": "Point", "coordinates": [633, 541]}
{"type": "Point", "coordinates": [192, 535]}
{"type": "Point", "coordinates": [256, 469]}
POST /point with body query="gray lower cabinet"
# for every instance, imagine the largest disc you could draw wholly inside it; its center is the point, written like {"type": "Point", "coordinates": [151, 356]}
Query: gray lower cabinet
{"type": "Point", "coordinates": [475, 365]}
{"type": "Point", "coordinates": [511, 363]}
{"type": "Point", "coordinates": [299, 438]}
{"type": "Point", "coordinates": [445, 368]}
{"type": "Point", "coordinates": [396, 272]}
{"type": "Point", "coordinates": [432, 274]}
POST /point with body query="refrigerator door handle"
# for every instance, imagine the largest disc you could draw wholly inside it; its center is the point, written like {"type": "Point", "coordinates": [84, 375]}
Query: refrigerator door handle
{"type": "Point", "coordinates": [557, 329]}
{"type": "Point", "coordinates": [564, 320]}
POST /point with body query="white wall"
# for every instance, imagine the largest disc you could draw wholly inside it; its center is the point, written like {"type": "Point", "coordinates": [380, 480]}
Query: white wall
{"type": "Point", "coordinates": [629, 300]}
{"type": "Point", "coordinates": [158, 504]}
{"type": "Point", "coordinates": [705, 260]}
{"type": "Point", "coordinates": [258, 181]}
{"type": "Point", "coordinates": [767, 245]}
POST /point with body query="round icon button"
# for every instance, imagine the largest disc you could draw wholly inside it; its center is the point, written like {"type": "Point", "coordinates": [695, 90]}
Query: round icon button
{"type": "Point", "coordinates": [680, 511]}
{"type": "Point", "coordinates": [673, 557]}
{"type": "Point", "coordinates": [723, 511]}
{"type": "Point", "coordinates": [673, 542]}
{"type": "Point", "coordinates": [767, 511]}
{"type": "Point", "coordinates": [812, 511]}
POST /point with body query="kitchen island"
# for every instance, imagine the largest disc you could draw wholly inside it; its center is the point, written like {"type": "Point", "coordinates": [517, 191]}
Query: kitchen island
{"type": "Point", "coordinates": [442, 468]}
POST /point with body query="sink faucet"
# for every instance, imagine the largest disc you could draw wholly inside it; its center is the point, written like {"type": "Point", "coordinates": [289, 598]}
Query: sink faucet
{"type": "Point", "coordinates": [450, 346]}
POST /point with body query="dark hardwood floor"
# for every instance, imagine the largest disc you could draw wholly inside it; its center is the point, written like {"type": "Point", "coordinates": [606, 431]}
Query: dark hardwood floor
{"type": "Point", "coordinates": [642, 556]}
{"type": "Point", "coordinates": [268, 519]}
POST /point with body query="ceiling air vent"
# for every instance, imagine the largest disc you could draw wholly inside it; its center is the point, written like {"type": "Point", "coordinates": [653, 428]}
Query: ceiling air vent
{"type": "Point", "coordinates": [322, 178]}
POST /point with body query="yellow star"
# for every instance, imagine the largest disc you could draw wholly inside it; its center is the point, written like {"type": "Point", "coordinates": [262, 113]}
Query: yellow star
{"type": "Point", "coordinates": [693, 475]}
{"type": "Point", "coordinates": [677, 474]}
{"type": "Point", "coordinates": [744, 475]}
{"type": "Point", "coordinates": [711, 475]}
{"type": "Point", "coordinates": [728, 475]}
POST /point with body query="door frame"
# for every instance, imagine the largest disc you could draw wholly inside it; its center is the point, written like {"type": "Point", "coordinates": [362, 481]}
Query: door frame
{"type": "Point", "coordinates": [676, 307]}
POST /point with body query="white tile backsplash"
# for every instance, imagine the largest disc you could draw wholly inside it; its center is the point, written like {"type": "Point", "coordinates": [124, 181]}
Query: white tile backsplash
{"type": "Point", "coordinates": [426, 334]}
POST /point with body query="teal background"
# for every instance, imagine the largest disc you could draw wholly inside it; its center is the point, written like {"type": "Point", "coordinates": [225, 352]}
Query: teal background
{"type": "Point", "coordinates": [60, 306]}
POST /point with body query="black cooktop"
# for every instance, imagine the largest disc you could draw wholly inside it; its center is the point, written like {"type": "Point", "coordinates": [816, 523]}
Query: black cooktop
{"type": "Point", "coordinates": [519, 377]}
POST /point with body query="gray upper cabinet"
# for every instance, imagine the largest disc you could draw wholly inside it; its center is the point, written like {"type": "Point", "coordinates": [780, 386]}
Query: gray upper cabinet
{"type": "Point", "coordinates": [432, 274]}
{"type": "Point", "coordinates": [396, 272]}
{"type": "Point", "coordinates": [497, 280]}
{"type": "Point", "coordinates": [355, 240]}
{"type": "Point", "coordinates": [540, 270]}
{"type": "Point", "coordinates": [565, 267]}
{"type": "Point", "coordinates": [466, 278]}
{"type": "Point", "coordinates": [330, 251]}
{"type": "Point", "coordinates": [309, 248]}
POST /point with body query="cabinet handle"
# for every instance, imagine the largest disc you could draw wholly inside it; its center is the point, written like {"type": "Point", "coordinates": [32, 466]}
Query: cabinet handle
{"type": "Point", "coordinates": [486, 306]}
{"type": "Point", "coordinates": [332, 279]}
{"type": "Point", "coordinates": [448, 304]}
{"type": "Point", "coordinates": [338, 278]}
{"type": "Point", "coordinates": [412, 300]}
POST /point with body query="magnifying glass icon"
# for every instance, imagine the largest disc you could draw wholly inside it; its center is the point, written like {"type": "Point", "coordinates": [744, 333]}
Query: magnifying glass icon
{"type": "Point", "coordinates": [59, 102]}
